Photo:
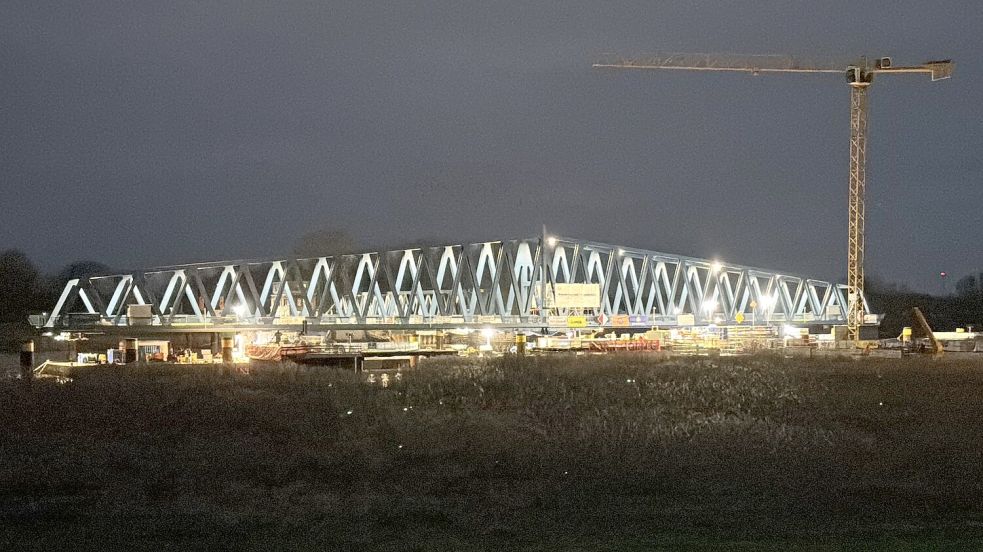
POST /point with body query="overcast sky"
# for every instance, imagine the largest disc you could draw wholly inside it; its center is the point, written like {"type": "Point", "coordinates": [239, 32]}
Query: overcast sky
{"type": "Point", "coordinates": [144, 133]}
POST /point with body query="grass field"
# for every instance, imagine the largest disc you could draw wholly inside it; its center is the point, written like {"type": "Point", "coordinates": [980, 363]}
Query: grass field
{"type": "Point", "coordinates": [598, 453]}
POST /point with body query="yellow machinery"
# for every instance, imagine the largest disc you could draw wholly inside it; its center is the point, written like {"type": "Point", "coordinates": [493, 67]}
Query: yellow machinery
{"type": "Point", "coordinates": [922, 325]}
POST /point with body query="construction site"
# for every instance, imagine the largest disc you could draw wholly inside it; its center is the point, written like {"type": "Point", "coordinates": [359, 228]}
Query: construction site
{"type": "Point", "coordinates": [539, 295]}
{"type": "Point", "coordinates": [543, 295]}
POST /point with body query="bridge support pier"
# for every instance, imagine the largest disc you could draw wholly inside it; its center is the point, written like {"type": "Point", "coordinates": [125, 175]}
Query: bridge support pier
{"type": "Point", "coordinates": [130, 348]}
{"type": "Point", "coordinates": [227, 344]}
{"type": "Point", "coordinates": [27, 360]}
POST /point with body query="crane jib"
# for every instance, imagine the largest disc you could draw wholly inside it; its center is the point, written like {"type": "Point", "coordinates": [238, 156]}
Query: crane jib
{"type": "Point", "coordinates": [757, 64]}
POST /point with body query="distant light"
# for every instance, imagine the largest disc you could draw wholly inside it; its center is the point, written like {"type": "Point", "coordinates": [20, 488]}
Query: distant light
{"type": "Point", "coordinates": [943, 274]}
{"type": "Point", "coordinates": [240, 310]}
{"type": "Point", "coordinates": [791, 331]}
{"type": "Point", "coordinates": [551, 241]}
{"type": "Point", "coordinates": [709, 306]}
{"type": "Point", "coordinates": [621, 251]}
{"type": "Point", "coordinates": [716, 266]}
{"type": "Point", "coordinates": [488, 333]}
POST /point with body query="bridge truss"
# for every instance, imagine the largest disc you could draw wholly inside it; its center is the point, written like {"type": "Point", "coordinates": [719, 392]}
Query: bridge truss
{"type": "Point", "coordinates": [507, 284]}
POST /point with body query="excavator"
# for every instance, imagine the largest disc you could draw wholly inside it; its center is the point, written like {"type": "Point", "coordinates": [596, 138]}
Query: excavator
{"type": "Point", "coordinates": [923, 330]}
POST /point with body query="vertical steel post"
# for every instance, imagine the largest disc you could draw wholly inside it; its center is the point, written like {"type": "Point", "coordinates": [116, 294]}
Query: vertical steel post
{"type": "Point", "coordinates": [542, 275]}
{"type": "Point", "coordinates": [855, 239]}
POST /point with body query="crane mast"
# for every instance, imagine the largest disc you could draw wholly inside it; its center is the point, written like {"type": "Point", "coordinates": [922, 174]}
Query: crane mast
{"type": "Point", "coordinates": [857, 196]}
{"type": "Point", "coordinates": [860, 74]}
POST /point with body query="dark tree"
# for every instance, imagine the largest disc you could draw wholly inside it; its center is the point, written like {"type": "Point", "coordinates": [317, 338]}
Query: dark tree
{"type": "Point", "coordinates": [78, 269]}
{"type": "Point", "coordinates": [325, 242]}
{"type": "Point", "coordinates": [967, 286]}
{"type": "Point", "coordinates": [22, 290]}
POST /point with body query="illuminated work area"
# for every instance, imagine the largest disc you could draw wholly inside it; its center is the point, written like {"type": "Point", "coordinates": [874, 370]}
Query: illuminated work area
{"type": "Point", "coordinates": [557, 293]}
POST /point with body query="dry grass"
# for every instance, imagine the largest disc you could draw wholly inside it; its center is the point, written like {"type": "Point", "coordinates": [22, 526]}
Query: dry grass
{"type": "Point", "coordinates": [615, 452]}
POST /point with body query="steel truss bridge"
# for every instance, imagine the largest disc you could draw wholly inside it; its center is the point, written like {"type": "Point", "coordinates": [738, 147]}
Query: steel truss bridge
{"type": "Point", "coordinates": [508, 284]}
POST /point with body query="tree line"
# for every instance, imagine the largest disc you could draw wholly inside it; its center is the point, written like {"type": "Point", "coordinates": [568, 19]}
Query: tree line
{"type": "Point", "coordinates": [960, 309]}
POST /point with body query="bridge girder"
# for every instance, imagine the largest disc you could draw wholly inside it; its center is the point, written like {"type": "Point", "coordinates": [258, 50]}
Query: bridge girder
{"type": "Point", "coordinates": [487, 284]}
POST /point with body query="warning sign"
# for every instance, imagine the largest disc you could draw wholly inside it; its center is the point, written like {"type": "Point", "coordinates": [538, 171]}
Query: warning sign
{"type": "Point", "coordinates": [577, 321]}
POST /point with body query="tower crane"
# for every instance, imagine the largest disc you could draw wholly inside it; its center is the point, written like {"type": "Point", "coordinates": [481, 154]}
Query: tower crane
{"type": "Point", "coordinates": [859, 75]}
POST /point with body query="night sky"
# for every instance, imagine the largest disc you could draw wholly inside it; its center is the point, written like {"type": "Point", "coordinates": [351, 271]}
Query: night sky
{"type": "Point", "coordinates": [145, 133]}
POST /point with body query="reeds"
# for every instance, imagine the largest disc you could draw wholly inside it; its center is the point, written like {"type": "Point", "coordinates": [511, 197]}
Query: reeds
{"type": "Point", "coordinates": [470, 453]}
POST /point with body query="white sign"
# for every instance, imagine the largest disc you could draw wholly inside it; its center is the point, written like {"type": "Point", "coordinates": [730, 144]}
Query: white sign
{"type": "Point", "coordinates": [556, 321]}
{"type": "Point", "coordinates": [685, 320]}
{"type": "Point", "coordinates": [576, 296]}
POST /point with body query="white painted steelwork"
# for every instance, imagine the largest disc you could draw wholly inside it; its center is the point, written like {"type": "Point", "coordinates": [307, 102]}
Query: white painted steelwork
{"type": "Point", "coordinates": [498, 283]}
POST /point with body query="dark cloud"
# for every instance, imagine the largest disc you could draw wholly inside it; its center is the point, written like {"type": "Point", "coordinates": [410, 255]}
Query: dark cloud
{"type": "Point", "coordinates": [140, 133]}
